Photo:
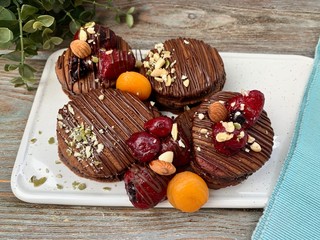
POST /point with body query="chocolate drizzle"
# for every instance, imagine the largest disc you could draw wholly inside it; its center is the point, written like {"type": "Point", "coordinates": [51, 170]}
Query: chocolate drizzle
{"type": "Point", "coordinates": [196, 60]}
{"type": "Point", "coordinates": [113, 116]}
{"type": "Point", "coordinates": [220, 170]}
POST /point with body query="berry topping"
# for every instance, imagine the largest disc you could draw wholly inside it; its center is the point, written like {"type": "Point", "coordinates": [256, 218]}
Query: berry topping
{"type": "Point", "coordinates": [160, 126]}
{"type": "Point", "coordinates": [79, 68]}
{"type": "Point", "coordinates": [144, 187]}
{"type": "Point", "coordinates": [180, 148]}
{"type": "Point", "coordinates": [246, 108]}
{"type": "Point", "coordinates": [114, 62]}
{"type": "Point", "coordinates": [229, 138]}
{"type": "Point", "coordinates": [144, 146]}
{"type": "Point", "coordinates": [187, 192]}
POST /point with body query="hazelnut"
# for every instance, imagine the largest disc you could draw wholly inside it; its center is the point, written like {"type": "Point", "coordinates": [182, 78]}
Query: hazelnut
{"type": "Point", "coordinates": [80, 48]}
{"type": "Point", "coordinates": [217, 112]}
{"type": "Point", "coordinates": [162, 168]}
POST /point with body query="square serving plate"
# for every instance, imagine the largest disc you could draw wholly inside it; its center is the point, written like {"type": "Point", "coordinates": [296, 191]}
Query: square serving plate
{"type": "Point", "coordinates": [282, 78]}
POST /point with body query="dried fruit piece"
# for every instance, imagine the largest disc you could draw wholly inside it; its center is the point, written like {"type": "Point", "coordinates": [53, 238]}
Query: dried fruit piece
{"type": "Point", "coordinates": [112, 64]}
{"type": "Point", "coordinates": [144, 187]}
{"type": "Point", "coordinates": [80, 48]}
{"type": "Point", "coordinates": [187, 192]}
{"type": "Point", "coordinates": [134, 83]}
{"type": "Point", "coordinates": [246, 108]}
{"type": "Point", "coordinates": [162, 167]}
{"type": "Point", "coordinates": [144, 146]}
{"type": "Point", "coordinates": [217, 112]}
{"type": "Point", "coordinates": [226, 141]}
{"type": "Point", "coordinates": [159, 126]}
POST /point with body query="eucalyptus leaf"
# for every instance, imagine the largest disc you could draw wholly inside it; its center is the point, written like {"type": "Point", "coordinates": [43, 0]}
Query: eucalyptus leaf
{"type": "Point", "coordinates": [10, 67]}
{"type": "Point", "coordinates": [117, 18]}
{"type": "Point", "coordinates": [6, 45]}
{"type": "Point", "coordinates": [27, 11]}
{"type": "Point", "coordinates": [28, 27]}
{"type": "Point", "coordinates": [130, 10]}
{"type": "Point", "coordinates": [5, 35]}
{"type": "Point", "coordinates": [47, 45]}
{"type": "Point", "coordinates": [5, 3]}
{"type": "Point", "coordinates": [86, 15]}
{"type": "Point", "coordinates": [129, 20]}
{"type": "Point", "coordinates": [78, 3]}
{"type": "Point", "coordinates": [6, 14]}
{"type": "Point", "coordinates": [74, 26]}
{"type": "Point", "coordinates": [26, 71]}
{"type": "Point", "coordinates": [46, 32]}
{"type": "Point", "coordinates": [17, 80]}
{"type": "Point", "coordinates": [47, 5]}
{"type": "Point", "coordinates": [56, 40]}
{"type": "Point", "coordinates": [46, 20]}
{"type": "Point", "coordinates": [14, 56]}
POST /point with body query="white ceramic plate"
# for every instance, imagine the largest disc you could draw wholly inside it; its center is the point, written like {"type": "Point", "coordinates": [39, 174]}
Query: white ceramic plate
{"type": "Point", "coordinates": [282, 78]}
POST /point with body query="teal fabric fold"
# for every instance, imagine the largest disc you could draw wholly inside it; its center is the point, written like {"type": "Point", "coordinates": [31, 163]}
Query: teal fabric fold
{"type": "Point", "coordinates": [293, 210]}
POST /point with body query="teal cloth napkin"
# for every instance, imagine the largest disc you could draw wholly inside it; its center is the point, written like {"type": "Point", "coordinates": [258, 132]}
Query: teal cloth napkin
{"type": "Point", "coordinates": [293, 210]}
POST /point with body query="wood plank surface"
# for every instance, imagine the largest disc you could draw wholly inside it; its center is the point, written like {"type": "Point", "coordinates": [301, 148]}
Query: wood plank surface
{"type": "Point", "coordinates": [282, 27]}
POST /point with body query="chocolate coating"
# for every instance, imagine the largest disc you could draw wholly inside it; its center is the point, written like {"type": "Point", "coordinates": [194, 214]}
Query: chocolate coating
{"type": "Point", "coordinates": [220, 170]}
{"type": "Point", "coordinates": [106, 118]}
{"type": "Point", "coordinates": [196, 60]}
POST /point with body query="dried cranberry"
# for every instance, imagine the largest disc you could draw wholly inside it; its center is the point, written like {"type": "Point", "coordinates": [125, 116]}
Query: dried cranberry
{"type": "Point", "coordinates": [112, 64]}
{"type": "Point", "coordinates": [144, 146]}
{"type": "Point", "coordinates": [79, 68]}
{"type": "Point", "coordinates": [234, 144]}
{"type": "Point", "coordinates": [144, 187]}
{"type": "Point", "coordinates": [159, 126]}
{"type": "Point", "coordinates": [246, 108]}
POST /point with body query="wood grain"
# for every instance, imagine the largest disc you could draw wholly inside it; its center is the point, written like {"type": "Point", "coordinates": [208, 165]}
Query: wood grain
{"type": "Point", "coordinates": [283, 27]}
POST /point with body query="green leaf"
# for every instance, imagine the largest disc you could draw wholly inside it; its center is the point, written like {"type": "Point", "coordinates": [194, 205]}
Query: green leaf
{"type": "Point", "coordinates": [13, 56]}
{"type": "Point", "coordinates": [5, 45]}
{"type": "Point", "coordinates": [56, 40]}
{"type": "Point", "coordinates": [77, 3]}
{"type": "Point", "coordinates": [129, 20]}
{"type": "Point", "coordinates": [26, 71]}
{"type": "Point", "coordinates": [130, 10]}
{"type": "Point", "coordinates": [86, 15]}
{"type": "Point", "coordinates": [28, 27]}
{"type": "Point", "coordinates": [74, 26]}
{"type": "Point", "coordinates": [10, 67]}
{"type": "Point", "coordinates": [47, 5]}
{"type": "Point", "coordinates": [6, 14]}
{"type": "Point", "coordinates": [45, 20]}
{"type": "Point", "coordinates": [5, 3]}
{"type": "Point", "coordinates": [117, 18]}
{"type": "Point", "coordinates": [5, 35]}
{"type": "Point", "coordinates": [27, 11]}
{"type": "Point", "coordinates": [17, 80]}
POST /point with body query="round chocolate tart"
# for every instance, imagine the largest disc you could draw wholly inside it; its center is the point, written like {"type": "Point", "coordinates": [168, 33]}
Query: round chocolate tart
{"type": "Point", "coordinates": [183, 72]}
{"type": "Point", "coordinates": [92, 130]}
{"type": "Point", "coordinates": [109, 56]}
{"type": "Point", "coordinates": [220, 170]}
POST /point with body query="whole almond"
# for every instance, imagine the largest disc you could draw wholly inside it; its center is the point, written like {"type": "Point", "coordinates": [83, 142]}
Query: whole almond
{"type": "Point", "coordinates": [80, 48]}
{"type": "Point", "coordinates": [162, 167]}
{"type": "Point", "coordinates": [217, 112]}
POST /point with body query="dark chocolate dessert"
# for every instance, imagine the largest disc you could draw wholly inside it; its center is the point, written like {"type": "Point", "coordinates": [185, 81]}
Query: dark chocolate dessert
{"type": "Point", "coordinates": [95, 58]}
{"type": "Point", "coordinates": [183, 72]}
{"type": "Point", "coordinates": [92, 130]}
{"type": "Point", "coordinates": [231, 149]}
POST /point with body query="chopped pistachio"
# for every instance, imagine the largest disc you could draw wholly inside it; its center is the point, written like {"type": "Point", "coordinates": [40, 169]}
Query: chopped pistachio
{"type": "Point", "coordinates": [107, 188]}
{"type": "Point", "coordinates": [51, 140]}
{"type": "Point", "coordinates": [59, 186]}
{"type": "Point", "coordinates": [33, 140]}
{"type": "Point", "coordinates": [37, 182]}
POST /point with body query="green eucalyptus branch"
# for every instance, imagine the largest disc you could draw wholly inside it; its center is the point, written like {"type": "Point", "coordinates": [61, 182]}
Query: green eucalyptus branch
{"type": "Point", "coordinates": [30, 25]}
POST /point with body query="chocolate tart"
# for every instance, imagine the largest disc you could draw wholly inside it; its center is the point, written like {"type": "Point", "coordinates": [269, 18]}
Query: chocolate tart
{"type": "Point", "coordinates": [78, 76]}
{"type": "Point", "coordinates": [217, 169]}
{"type": "Point", "coordinates": [190, 71]}
{"type": "Point", "coordinates": [92, 130]}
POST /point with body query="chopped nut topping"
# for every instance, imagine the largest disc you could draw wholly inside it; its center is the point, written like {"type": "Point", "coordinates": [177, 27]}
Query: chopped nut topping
{"type": "Point", "coordinates": [186, 42]}
{"type": "Point", "coordinates": [201, 116]}
{"type": "Point", "coordinates": [101, 97]}
{"type": "Point", "coordinates": [255, 147]}
{"type": "Point", "coordinates": [186, 83]}
{"type": "Point", "coordinates": [174, 131]}
{"type": "Point", "coordinates": [223, 136]}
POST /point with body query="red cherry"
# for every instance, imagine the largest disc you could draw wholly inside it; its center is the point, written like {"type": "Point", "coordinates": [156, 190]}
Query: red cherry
{"type": "Point", "coordinates": [246, 108]}
{"type": "Point", "coordinates": [144, 146]}
{"type": "Point", "coordinates": [144, 187]}
{"type": "Point", "coordinates": [180, 148]}
{"type": "Point", "coordinates": [159, 126]}
{"type": "Point", "coordinates": [112, 64]}
{"type": "Point", "coordinates": [231, 146]}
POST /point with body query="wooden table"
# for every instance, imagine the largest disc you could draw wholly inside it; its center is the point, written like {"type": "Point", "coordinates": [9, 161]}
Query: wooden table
{"type": "Point", "coordinates": [278, 26]}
